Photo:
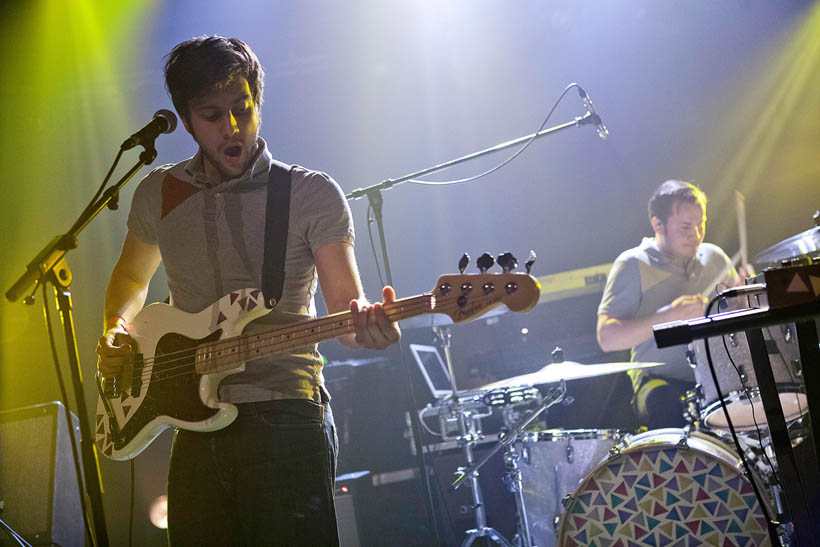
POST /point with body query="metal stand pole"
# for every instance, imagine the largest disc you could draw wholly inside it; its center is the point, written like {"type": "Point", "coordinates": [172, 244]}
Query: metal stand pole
{"type": "Point", "coordinates": [467, 439]}
{"type": "Point", "coordinates": [88, 449]}
{"type": "Point", "coordinates": [515, 485]}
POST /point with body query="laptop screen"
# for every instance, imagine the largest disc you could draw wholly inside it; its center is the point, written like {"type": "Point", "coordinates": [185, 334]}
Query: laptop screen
{"type": "Point", "coordinates": [433, 369]}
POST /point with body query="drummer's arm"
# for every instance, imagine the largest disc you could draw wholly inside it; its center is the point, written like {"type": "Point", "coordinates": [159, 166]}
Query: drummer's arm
{"type": "Point", "coordinates": [619, 334]}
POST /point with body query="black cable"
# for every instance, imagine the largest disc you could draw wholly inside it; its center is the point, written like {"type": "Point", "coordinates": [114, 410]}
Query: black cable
{"type": "Point", "coordinates": [760, 499]}
{"type": "Point", "coordinates": [67, 410]}
{"type": "Point", "coordinates": [750, 398]}
{"type": "Point", "coordinates": [474, 177]}
{"type": "Point", "coordinates": [792, 376]}
{"type": "Point", "coordinates": [509, 159]}
{"type": "Point", "coordinates": [740, 450]}
{"type": "Point", "coordinates": [101, 188]}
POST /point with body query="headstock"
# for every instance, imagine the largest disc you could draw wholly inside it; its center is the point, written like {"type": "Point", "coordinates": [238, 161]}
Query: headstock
{"type": "Point", "coordinates": [463, 297]}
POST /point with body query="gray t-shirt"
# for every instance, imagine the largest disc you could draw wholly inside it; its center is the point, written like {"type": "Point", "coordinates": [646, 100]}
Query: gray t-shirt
{"type": "Point", "coordinates": [211, 239]}
{"type": "Point", "coordinates": [645, 279]}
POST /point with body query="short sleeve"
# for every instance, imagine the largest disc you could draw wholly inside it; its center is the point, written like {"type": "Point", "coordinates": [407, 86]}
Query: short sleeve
{"type": "Point", "coordinates": [145, 208]}
{"type": "Point", "coordinates": [622, 293]}
{"type": "Point", "coordinates": [321, 211]}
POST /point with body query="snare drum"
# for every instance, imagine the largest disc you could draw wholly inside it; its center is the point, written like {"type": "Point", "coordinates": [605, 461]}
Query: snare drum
{"type": "Point", "coordinates": [739, 385]}
{"type": "Point", "coordinates": [552, 463]}
{"type": "Point", "coordinates": [664, 487]}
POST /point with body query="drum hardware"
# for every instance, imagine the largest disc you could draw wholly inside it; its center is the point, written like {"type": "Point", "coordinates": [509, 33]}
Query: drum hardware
{"type": "Point", "coordinates": [510, 396]}
{"type": "Point", "coordinates": [512, 471]}
{"type": "Point", "coordinates": [469, 434]}
{"type": "Point", "coordinates": [556, 517]}
{"type": "Point", "coordinates": [691, 405]}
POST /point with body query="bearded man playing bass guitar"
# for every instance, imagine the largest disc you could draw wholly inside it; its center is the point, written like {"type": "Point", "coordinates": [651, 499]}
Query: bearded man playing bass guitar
{"type": "Point", "coordinates": [267, 478]}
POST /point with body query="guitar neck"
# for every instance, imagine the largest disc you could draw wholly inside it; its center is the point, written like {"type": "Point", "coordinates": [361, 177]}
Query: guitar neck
{"type": "Point", "coordinates": [224, 355]}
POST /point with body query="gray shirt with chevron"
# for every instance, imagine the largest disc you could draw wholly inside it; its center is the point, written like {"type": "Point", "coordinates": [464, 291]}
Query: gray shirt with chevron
{"type": "Point", "coordinates": [645, 279]}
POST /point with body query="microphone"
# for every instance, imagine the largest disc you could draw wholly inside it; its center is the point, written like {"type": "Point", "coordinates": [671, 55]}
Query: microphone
{"type": "Point", "coordinates": [594, 117]}
{"type": "Point", "coordinates": [164, 121]}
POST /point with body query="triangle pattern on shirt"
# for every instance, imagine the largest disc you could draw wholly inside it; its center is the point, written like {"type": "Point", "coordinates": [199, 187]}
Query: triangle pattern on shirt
{"type": "Point", "coordinates": [174, 192]}
{"type": "Point", "coordinates": [651, 276]}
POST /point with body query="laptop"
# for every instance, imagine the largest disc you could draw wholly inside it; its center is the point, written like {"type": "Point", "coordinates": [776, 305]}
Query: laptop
{"type": "Point", "coordinates": [433, 369]}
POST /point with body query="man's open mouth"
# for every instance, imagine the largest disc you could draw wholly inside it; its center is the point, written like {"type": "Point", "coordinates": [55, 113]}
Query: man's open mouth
{"type": "Point", "coordinates": [233, 151]}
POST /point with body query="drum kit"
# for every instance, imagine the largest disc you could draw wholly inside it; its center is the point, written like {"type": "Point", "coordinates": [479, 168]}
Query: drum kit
{"type": "Point", "coordinates": [608, 488]}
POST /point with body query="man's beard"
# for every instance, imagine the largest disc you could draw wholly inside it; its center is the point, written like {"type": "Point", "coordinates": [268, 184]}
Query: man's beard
{"type": "Point", "coordinates": [217, 164]}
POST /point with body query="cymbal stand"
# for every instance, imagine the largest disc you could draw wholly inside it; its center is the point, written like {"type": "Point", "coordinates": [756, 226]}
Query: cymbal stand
{"type": "Point", "coordinates": [512, 472]}
{"type": "Point", "coordinates": [468, 434]}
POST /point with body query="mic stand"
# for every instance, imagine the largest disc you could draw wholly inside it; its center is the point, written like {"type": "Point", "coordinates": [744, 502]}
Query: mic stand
{"type": "Point", "coordinates": [49, 266]}
{"type": "Point", "coordinates": [376, 200]}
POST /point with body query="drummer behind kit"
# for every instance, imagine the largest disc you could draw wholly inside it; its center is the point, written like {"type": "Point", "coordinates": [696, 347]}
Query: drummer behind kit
{"type": "Point", "coordinates": [677, 487]}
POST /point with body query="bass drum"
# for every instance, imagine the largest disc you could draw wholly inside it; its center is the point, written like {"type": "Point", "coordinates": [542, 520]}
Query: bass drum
{"type": "Point", "coordinates": [665, 488]}
{"type": "Point", "coordinates": [552, 463]}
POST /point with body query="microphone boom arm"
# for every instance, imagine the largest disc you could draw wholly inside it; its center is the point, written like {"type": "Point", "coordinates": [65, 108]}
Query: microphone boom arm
{"type": "Point", "coordinates": [586, 119]}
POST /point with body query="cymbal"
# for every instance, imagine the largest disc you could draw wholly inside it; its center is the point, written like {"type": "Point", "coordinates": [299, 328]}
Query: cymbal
{"type": "Point", "coordinates": [804, 243]}
{"type": "Point", "coordinates": [441, 320]}
{"type": "Point", "coordinates": [566, 370]}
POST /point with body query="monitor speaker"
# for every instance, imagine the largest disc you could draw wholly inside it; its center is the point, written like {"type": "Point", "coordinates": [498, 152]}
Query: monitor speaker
{"type": "Point", "coordinates": [38, 482]}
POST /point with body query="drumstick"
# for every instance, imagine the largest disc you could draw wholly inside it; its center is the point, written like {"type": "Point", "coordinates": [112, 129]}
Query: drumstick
{"type": "Point", "coordinates": [740, 258]}
{"type": "Point", "coordinates": [740, 204]}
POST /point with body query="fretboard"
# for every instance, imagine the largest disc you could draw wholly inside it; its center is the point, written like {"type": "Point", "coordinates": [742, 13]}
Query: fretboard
{"type": "Point", "coordinates": [224, 355]}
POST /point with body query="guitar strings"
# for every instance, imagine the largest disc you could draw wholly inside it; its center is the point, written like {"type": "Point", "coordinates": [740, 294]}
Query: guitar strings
{"type": "Point", "coordinates": [186, 358]}
{"type": "Point", "coordinates": [320, 323]}
{"type": "Point", "coordinates": [188, 364]}
{"type": "Point", "coordinates": [428, 302]}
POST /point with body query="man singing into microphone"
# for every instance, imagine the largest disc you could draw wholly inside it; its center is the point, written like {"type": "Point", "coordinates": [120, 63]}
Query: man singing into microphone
{"type": "Point", "coordinates": [267, 478]}
{"type": "Point", "coordinates": [666, 278]}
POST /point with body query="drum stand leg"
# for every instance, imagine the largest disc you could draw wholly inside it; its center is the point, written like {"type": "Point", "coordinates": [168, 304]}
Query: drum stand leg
{"type": "Point", "coordinates": [512, 478]}
{"type": "Point", "coordinates": [468, 435]}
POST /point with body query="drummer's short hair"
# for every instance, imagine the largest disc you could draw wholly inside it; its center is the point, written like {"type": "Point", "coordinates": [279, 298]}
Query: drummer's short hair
{"type": "Point", "coordinates": [670, 194]}
{"type": "Point", "coordinates": [195, 67]}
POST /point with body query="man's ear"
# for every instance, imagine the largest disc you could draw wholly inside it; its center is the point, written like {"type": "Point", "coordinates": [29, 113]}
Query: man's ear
{"type": "Point", "coordinates": [185, 124]}
{"type": "Point", "coordinates": [658, 226]}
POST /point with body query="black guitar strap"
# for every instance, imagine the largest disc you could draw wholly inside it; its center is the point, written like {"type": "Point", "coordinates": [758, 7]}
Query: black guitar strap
{"type": "Point", "coordinates": [277, 217]}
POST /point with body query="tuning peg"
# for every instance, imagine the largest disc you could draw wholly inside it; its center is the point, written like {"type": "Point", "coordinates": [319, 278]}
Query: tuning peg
{"type": "Point", "coordinates": [530, 261]}
{"type": "Point", "coordinates": [557, 355]}
{"type": "Point", "coordinates": [462, 264]}
{"type": "Point", "coordinates": [507, 262]}
{"type": "Point", "coordinates": [485, 262]}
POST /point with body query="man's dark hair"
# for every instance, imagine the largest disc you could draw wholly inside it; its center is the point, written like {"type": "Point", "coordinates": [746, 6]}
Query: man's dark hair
{"type": "Point", "coordinates": [670, 194]}
{"type": "Point", "coordinates": [193, 68]}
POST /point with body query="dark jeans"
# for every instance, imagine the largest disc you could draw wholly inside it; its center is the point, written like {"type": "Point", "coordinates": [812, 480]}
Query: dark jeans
{"type": "Point", "coordinates": [266, 479]}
